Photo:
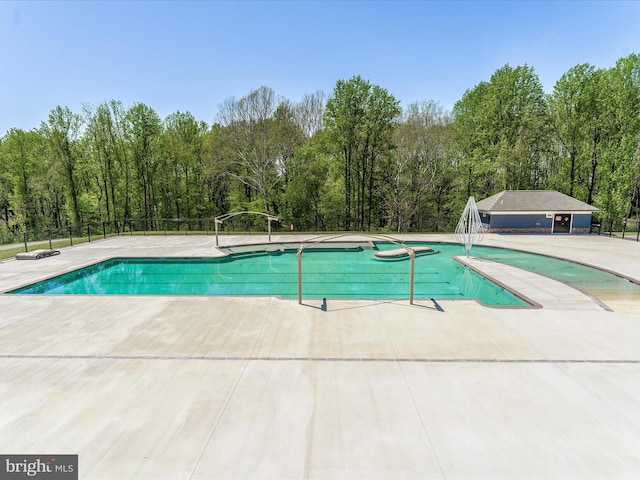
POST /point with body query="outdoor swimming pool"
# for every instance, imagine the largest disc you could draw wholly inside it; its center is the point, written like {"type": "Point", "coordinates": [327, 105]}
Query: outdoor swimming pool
{"type": "Point", "coordinates": [341, 271]}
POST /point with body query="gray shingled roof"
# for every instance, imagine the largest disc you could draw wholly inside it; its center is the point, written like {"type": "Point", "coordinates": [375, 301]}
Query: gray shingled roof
{"type": "Point", "coordinates": [532, 200]}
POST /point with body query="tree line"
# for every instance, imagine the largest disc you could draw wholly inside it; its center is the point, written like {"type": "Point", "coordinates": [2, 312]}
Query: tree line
{"type": "Point", "coordinates": [354, 160]}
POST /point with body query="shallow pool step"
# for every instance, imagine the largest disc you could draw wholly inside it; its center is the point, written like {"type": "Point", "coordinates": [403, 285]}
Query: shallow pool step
{"type": "Point", "coordinates": [398, 253]}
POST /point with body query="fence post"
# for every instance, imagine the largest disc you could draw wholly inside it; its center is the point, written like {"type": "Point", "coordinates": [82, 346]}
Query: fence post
{"type": "Point", "coordinates": [624, 227]}
{"type": "Point", "coordinates": [70, 236]}
{"type": "Point", "coordinates": [49, 232]}
{"type": "Point", "coordinates": [89, 232]}
{"type": "Point", "coordinates": [26, 248]}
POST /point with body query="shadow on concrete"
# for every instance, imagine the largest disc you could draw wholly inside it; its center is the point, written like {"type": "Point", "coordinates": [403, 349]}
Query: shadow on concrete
{"type": "Point", "coordinates": [434, 306]}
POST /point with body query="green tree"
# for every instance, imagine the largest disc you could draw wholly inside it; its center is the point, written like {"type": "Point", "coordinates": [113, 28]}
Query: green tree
{"type": "Point", "coordinates": [107, 149]}
{"type": "Point", "coordinates": [502, 132]}
{"type": "Point", "coordinates": [182, 144]}
{"type": "Point", "coordinates": [577, 111]}
{"type": "Point", "coordinates": [216, 165]}
{"type": "Point", "coordinates": [304, 198]}
{"type": "Point", "coordinates": [360, 119]}
{"type": "Point", "coordinates": [624, 150]}
{"type": "Point", "coordinates": [476, 170]}
{"type": "Point", "coordinates": [6, 189]}
{"type": "Point", "coordinates": [63, 133]}
{"type": "Point", "coordinates": [23, 157]}
{"type": "Point", "coordinates": [142, 130]}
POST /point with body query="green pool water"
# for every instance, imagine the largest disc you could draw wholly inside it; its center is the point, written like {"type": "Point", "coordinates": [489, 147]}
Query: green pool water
{"type": "Point", "coordinates": [599, 283]}
{"type": "Point", "coordinates": [327, 273]}
{"type": "Point", "coordinates": [348, 272]}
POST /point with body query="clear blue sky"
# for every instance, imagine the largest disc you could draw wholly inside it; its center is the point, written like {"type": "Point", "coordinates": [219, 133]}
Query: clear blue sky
{"type": "Point", "coordinates": [191, 56]}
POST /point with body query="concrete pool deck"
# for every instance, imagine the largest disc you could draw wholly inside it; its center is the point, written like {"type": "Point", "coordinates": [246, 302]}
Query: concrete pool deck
{"type": "Point", "coordinates": [259, 387]}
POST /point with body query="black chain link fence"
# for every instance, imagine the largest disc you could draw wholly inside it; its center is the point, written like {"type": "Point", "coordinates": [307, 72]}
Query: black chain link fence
{"type": "Point", "coordinates": [627, 228]}
{"type": "Point", "coordinates": [14, 242]}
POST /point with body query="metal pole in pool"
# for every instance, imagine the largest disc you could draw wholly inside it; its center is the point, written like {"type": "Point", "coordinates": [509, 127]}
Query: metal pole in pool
{"type": "Point", "coordinates": [412, 254]}
{"type": "Point", "coordinates": [300, 276]}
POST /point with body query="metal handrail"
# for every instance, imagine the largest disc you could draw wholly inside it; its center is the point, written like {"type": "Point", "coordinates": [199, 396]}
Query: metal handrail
{"type": "Point", "coordinates": [321, 239]}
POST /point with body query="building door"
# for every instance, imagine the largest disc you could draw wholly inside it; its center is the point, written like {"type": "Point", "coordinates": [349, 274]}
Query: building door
{"type": "Point", "coordinates": [562, 223]}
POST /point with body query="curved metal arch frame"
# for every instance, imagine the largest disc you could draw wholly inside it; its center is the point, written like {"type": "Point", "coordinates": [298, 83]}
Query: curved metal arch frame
{"type": "Point", "coordinates": [221, 218]}
{"type": "Point", "coordinates": [321, 239]}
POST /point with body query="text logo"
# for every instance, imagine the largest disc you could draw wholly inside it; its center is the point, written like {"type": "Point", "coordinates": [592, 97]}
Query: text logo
{"type": "Point", "coordinates": [49, 467]}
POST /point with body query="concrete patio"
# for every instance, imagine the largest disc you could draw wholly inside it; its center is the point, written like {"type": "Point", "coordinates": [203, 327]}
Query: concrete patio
{"type": "Point", "coordinates": [204, 387]}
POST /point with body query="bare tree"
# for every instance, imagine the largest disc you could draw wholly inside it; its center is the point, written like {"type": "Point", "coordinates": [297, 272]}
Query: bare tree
{"type": "Point", "coordinates": [422, 150]}
{"type": "Point", "coordinates": [253, 132]}
{"type": "Point", "coordinates": [309, 112]}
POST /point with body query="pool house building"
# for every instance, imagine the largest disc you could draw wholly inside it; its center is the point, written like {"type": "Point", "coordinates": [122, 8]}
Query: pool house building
{"type": "Point", "coordinates": [535, 211]}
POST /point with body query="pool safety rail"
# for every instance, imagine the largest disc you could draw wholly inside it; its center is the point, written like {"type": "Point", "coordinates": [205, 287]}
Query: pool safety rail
{"type": "Point", "coordinates": [320, 239]}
